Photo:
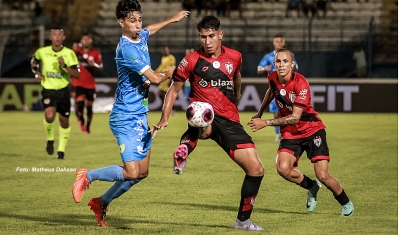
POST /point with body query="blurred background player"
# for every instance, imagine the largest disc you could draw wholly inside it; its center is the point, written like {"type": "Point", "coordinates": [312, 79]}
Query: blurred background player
{"type": "Point", "coordinates": [53, 65]}
{"type": "Point", "coordinates": [167, 60]}
{"type": "Point", "coordinates": [267, 65]}
{"type": "Point", "coordinates": [214, 75]}
{"type": "Point", "coordinates": [186, 86]}
{"type": "Point", "coordinates": [85, 87]}
{"type": "Point", "coordinates": [128, 119]}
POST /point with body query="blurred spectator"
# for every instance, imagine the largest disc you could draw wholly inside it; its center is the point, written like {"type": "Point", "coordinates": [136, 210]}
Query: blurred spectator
{"type": "Point", "coordinates": [361, 63]}
{"type": "Point", "coordinates": [167, 61]}
{"type": "Point", "coordinates": [323, 6]}
{"type": "Point", "coordinates": [309, 6]}
{"type": "Point", "coordinates": [293, 5]}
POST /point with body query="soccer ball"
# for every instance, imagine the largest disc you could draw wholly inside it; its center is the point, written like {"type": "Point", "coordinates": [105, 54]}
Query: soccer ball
{"type": "Point", "coordinates": [199, 114]}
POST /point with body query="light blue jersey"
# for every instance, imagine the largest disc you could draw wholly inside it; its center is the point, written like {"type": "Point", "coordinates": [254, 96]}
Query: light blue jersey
{"type": "Point", "coordinates": [128, 118]}
{"type": "Point", "coordinates": [132, 60]}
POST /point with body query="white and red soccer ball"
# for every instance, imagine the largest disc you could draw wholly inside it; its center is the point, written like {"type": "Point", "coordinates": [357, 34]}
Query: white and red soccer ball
{"type": "Point", "coordinates": [199, 114]}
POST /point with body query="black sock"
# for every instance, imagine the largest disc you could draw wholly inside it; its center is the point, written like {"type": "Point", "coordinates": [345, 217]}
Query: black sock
{"type": "Point", "coordinates": [307, 183]}
{"type": "Point", "coordinates": [342, 198]}
{"type": "Point", "coordinates": [250, 187]}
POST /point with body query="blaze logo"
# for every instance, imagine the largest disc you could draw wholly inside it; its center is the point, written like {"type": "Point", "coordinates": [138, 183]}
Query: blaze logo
{"type": "Point", "coordinates": [216, 83]}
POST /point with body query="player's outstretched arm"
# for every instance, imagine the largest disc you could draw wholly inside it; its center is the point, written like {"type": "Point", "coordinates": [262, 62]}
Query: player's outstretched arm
{"type": "Point", "coordinates": [169, 101]}
{"type": "Point", "coordinates": [153, 28]}
{"type": "Point", "coordinates": [156, 77]}
{"type": "Point", "coordinates": [267, 99]}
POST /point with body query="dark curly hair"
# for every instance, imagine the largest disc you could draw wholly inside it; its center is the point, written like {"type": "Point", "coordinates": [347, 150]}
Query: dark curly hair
{"type": "Point", "coordinates": [124, 7]}
{"type": "Point", "coordinates": [208, 22]}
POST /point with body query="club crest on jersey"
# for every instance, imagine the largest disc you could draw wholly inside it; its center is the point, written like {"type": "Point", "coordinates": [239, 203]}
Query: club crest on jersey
{"type": "Point", "coordinates": [216, 64]}
{"type": "Point", "coordinates": [229, 67]}
{"type": "Point", "coordinates": [282, 92]}
{"type": "Point", "coordinates": [317, 141]}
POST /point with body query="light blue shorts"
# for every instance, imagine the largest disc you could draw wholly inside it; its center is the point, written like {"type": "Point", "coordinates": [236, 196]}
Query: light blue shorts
{"type": "Point", "coordinates": [272, 107]}
{"type": "Point", "coordinates": [131, 132]}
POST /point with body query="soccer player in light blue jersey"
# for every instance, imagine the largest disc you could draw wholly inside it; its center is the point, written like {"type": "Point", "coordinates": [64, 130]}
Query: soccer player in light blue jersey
{"type": "Point", "coordinates": [128, 118]}
{"type": "Point", "coordinates": [267, 65]}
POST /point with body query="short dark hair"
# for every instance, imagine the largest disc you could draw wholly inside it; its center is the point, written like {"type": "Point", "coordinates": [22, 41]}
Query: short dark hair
{"type": "Point", "coordinates": [208, 22]}
{"type": "Point", "coordinates": [86, 34]}
{"type": "Point", "coordinates": [279, 36]}
{"type": "Point", "coordinates": [57, 28]}
{"type": "Point", "coordinates": [124, 7]}
{"type": "Point", "coordinates": [285, 50]}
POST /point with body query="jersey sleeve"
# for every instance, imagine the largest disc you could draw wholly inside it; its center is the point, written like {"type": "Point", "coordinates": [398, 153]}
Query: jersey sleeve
{"type": "Point", "coordinates": [185, 68]}
{"type": "Point", "coordinates": [263, 62]}
{"type": "Point", "coordinates": [133, 60]}
{"type": "Point", "coordinates": [72, 59]}
{"type": "Point", "coordinates": [302, 92]}
{"type": "Point", "coordinates": [38, 55]}
{"type": "Point", "coordinates": [239, 64]}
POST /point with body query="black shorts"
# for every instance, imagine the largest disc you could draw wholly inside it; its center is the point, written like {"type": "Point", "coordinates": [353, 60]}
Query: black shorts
{"type": "Point", "coordinates": [82, 93]}
{"type": "Point", "coordinates": [59, 99]}
{"type": "Point", "coordinates": [229, 135]}
{"type": "Point", "coordinates": [315, 146]}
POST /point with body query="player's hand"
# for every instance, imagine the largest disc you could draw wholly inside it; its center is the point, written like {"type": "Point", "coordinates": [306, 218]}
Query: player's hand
{"type": "Point", "coordinates": [180, 15]}
{"type": "Point", "coordinates": [61, 61]}
{"type": "Point", "coordinates": [170, 71]}
{"type": "Point", "coordinates": [38, 76]}
{"type": "Point", "coordinates": [257, 115]}
{"type": "Point", "coordinates": [158, 126]}
{"type": "Point", "coordinates": [257, 124]}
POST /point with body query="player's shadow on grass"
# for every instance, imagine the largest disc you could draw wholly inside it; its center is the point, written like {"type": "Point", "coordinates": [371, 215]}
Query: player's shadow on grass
{"type": "Point", "coordinates": [89, 220]}
{"type": "Point", "coordinates": [229, 208]}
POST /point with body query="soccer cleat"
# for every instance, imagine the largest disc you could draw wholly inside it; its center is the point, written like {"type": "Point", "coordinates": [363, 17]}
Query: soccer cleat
{"type": "Point", "coordinates": [80, 185]}
{"type": "Point", "coordinates": [50, 147]}
{"type": "Point", "coordinates": [347, 209]}
{"type": "Point", "coordinates": [312, 196]}
{"type": "Point", "coordinates": [60, 155]}
{"type": "Point", "coordinates": [99, 211]}
{"type": "Point", "coordinates": [180, 155]}
{"type": "Point", "coordinates": [246, 225]}
{"type": "Point", "coordinates": [83, 128]}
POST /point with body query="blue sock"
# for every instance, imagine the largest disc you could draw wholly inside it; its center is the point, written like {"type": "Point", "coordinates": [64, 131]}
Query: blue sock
{"type": "Point", "coordinates": [277, 130]}
{"type": "Point", "coordinates": [116, 190]}
{"type": "Point", "coordinates": [109, 173]}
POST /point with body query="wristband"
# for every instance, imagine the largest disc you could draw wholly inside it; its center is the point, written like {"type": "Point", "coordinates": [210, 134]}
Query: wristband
{"type": "Point", "coordinates": [35, 69]}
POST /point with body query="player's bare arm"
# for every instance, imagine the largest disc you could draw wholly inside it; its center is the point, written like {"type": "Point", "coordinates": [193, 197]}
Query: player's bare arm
{"type": "Point", "coordinates": [156, 77]}
{"type": "Point", "coordinates": [35, 69]}
{"type": "Point", "coordinates": [153, 28]}
{"type": "Point", "coordinates": [258, 123]}
{"type": "Point", "coordinates": [268, 97]}
{"type": "Point", "coordinates": [169, 101]}
{"type": "Point", "coordinates": [73, 71]}
{"type": "Point", "coordinates": [237, 82]}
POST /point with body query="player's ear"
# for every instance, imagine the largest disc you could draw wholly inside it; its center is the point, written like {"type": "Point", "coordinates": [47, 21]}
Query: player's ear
{"type": "Point", "coordinates": [221, 34]}
{"type": "Point", "coordinates": [120, 22]}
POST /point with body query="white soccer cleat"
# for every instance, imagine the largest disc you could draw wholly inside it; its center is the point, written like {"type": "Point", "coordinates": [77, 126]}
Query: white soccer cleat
{"type": "Point", "coordinates": [246, 225]}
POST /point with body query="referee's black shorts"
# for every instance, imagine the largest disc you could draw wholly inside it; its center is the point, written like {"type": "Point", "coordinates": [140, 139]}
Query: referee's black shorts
{"type": "Point", "coordinates": [59, 99]}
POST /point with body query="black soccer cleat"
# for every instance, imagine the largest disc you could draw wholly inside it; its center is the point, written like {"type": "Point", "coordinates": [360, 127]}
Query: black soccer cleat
{"type": "Point", "coordinates": [50, 147]}
{"type": "Point", "coordinates": [60, 155]}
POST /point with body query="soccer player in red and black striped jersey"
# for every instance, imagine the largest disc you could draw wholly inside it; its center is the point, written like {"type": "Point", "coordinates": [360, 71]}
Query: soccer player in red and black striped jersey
{"type": "Point", "coordinates": [85, 87]}
{"type": "Point", "coordinates": [214, 75]}
{"type": "Point", "coordinates": [301, 129]}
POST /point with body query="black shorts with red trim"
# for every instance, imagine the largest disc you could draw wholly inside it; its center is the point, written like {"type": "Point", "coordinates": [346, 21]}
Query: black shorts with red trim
{"type": "Point", "coordinates": [82, 93]}
{"type": "Point", "coordinates": [230, 135]}
{"type": "Point", "coordinates": [315, 146]}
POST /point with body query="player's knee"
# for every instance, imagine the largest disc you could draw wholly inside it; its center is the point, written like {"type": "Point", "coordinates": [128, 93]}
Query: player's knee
{"type": "Point", "coordinates": [322, 176]}
{"type": "Point", "coordinates": [80, 105]}
{"type": "Point", "coordinates": [283, 170]}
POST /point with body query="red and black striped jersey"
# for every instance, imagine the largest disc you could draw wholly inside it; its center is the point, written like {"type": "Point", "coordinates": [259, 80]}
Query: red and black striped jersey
{"type": "Point", "coordinates": [296, 92]}
{"type": "Point", "coordinates": [212, 79]}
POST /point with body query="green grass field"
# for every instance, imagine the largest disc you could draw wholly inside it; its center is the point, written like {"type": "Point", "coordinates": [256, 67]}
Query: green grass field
{"type": "Point", "coordinates": [205, 198]}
